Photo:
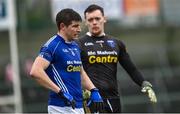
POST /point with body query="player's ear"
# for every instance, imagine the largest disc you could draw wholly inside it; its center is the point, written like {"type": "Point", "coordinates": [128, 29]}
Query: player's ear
{"type": "Point", "coordinates": [62, 25]}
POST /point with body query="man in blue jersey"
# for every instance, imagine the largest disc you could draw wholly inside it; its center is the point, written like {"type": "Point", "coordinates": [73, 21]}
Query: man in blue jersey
{"type": "Point", "coordinates": [59, 68]}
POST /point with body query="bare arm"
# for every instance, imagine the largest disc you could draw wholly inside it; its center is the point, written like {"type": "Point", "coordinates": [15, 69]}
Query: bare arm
{"type": "Point", "coordinates": [39, 74]}
{"type": "Point", "coordinates": [86, 82]}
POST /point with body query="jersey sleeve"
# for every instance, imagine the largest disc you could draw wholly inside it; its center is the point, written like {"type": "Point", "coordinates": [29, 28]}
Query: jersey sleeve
{"type": "Point", "coordinates": [123, 51]}
{"type": "Point", "coordinates": [129, 66]}
{"type": "Point", "coordinates": [46, 53]}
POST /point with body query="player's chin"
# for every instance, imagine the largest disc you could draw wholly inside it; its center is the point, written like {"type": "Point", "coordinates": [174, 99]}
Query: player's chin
{"type": "Point", "coordinates": [77, 35]}
{"type": "Point", "coordinates": [96, 33]}
{"type": "Point", "coordinates": [75, 38]}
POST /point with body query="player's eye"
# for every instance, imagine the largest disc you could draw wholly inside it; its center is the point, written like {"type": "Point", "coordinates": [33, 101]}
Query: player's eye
{"type": "Point", "coordinates": [94, 19]}
{"type": "Point", "coordinates": [97, 18]}
{"type": "Point", "coordinates": [90, 20]}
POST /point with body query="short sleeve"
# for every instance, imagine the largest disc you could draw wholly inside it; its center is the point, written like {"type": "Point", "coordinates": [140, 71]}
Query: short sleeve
{"type": "Point", "coordinates": [46, 53]}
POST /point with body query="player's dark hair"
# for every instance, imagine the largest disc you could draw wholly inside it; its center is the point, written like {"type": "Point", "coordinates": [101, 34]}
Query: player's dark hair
{"type": "Point", "coordinates": [92, 8]}
{"type": "Point", "coordinates": [66, 16]}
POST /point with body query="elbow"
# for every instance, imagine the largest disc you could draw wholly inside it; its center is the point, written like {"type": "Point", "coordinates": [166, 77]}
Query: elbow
{"type": "Point", "coordinates": [33, 73]}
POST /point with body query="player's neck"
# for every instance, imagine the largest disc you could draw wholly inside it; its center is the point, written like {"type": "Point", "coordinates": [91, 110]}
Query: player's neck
{"type": "Point", "coordinates": [64, 37]}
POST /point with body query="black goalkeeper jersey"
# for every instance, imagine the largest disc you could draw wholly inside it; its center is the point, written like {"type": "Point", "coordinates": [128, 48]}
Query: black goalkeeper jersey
{"type": "Point", "coordinates": [100, 56]}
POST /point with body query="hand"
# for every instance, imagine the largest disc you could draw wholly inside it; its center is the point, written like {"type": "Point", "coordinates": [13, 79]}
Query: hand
{"type": "Point", "coordinates": [95, 100]}
{"type": "Point", "coordinates": [68, 98]}
{"type": "Point", "coordinates": [86, 94]}
{"type": "Point", "coordinates": [147, 88]}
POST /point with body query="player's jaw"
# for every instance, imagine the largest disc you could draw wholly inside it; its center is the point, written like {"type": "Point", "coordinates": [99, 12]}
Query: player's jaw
{"type": "Point", "coordinates": [75, 35]}
{"type": "Point", "coordinates": [96, 31]}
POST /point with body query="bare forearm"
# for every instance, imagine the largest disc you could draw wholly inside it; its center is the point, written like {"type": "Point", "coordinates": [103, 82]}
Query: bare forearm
{"type": "Point", "coordinates": [45, 81]}
{"type": "Point", "coordinates": [39, 74]}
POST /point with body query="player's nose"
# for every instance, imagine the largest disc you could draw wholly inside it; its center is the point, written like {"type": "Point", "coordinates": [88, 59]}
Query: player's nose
{"type": "Point", "coordinates": [79, 29]}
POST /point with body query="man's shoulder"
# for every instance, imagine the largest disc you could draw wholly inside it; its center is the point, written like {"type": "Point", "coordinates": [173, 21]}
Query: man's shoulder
{"type": "Point", "coordinates": [52, 42]}
{"type": "Point", "coordinates": [116, 39]}
{"type": "Point", "coordinates": [110, 37]}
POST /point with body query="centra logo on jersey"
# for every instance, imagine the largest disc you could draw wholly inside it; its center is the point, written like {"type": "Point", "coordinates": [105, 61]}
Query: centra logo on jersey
{"type": "Point", "coordinates": [102, 59]}
{"type": "Point", "coordinates": [71, 68]}
{"type": "Point", "coordinates": [88, 44]}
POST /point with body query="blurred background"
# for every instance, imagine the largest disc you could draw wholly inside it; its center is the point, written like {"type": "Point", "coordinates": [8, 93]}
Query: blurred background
{"type": "Point", "coordinates": [149, 28]}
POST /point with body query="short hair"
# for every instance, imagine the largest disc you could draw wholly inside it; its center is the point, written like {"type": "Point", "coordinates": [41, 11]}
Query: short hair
{"type": "Point", "coordinates": [92, 8]}
{"type": "Point", "coordinates": [66, 16]}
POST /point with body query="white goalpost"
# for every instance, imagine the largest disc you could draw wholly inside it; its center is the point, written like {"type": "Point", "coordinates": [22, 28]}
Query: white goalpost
{"type": "Point", "coordinates": [8, 22]}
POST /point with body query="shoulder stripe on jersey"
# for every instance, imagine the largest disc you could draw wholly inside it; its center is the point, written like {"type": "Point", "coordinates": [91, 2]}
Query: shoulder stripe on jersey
{"type": "Point", "coordinates": [55, 48]}
{"type": "Point", "coordinates": [59, 80]}
{"type": "Point", "coordinates": [49, 41]}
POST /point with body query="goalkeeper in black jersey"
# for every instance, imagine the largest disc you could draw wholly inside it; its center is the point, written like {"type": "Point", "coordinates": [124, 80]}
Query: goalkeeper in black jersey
{"type": "Point", "coordinates": [100, 54]}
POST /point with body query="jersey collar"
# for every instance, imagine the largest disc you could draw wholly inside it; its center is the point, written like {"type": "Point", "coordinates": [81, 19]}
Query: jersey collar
{"type": "Point", "coordinates": [89, 34]}
{"type": "Point", "coordinates": [60, 37]}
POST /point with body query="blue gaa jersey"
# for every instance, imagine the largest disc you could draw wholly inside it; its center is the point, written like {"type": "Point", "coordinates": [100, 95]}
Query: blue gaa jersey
{"type": "Point", "coordinates": [64, 69]}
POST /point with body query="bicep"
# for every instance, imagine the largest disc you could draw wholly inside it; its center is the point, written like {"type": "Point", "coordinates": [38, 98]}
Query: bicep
{"type": "Point", "coordinates": [40, 63]}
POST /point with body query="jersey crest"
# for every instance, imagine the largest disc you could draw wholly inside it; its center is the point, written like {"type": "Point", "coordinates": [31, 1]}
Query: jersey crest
{"type": "Point", "coordinates": [111, 43]}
